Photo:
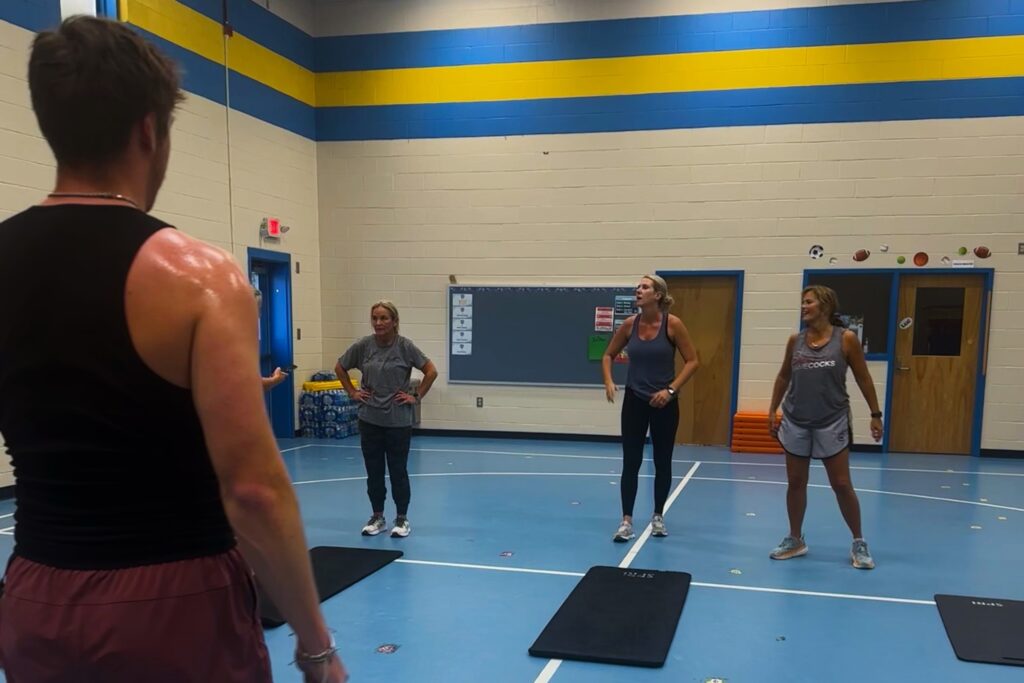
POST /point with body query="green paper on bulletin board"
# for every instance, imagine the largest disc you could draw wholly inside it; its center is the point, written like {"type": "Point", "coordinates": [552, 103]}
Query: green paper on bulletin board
{"type": "Point", "coordinates": [596, 344]}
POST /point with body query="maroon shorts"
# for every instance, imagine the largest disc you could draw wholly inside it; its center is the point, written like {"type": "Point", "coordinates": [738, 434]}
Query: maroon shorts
{"type": "Point", "coordinates": [191, 621]}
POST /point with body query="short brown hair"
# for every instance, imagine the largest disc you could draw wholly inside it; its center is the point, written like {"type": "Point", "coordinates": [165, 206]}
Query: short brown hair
{"type": "Point", "coordinates": [91, 81]}
{"type": "Point", "coordinates": [827, 299]}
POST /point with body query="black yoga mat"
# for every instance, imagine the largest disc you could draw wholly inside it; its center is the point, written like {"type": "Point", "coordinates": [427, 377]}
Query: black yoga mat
{"type": "Point", "coordinates": [617, 616]}
{"type": "Point", "coordinates": [989, 630]}
{"type": "Point", "coordinates": [334, 569]}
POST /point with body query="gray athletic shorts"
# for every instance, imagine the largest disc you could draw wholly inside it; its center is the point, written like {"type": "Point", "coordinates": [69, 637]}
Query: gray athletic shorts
{"type": "Point", "coordinates": [820, 443]}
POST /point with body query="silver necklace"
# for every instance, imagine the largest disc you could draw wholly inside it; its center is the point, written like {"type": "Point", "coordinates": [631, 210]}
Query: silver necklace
{"type": "Point", "coordinates": [821, 342]}
{"type": "Point", "coordinates": [95, 195]}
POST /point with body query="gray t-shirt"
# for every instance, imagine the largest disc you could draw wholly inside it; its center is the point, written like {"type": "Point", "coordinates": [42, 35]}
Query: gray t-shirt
{"type": "Point", "coordinates": [386, 371]}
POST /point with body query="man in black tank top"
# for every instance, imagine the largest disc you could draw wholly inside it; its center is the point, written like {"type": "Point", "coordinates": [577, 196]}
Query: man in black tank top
{"type": "Point", "coordinates": [149, 486]}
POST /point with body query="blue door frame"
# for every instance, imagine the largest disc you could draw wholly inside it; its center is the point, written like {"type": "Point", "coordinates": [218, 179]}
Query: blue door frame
{"type": "Point", "coordinates": [737, 327]}
{"type": "Point", "coordinates": [272, 271]}
{"type": "Point", "coordinates": [988, 277]}
{"type": "Point", "coordinates": [107, 8]}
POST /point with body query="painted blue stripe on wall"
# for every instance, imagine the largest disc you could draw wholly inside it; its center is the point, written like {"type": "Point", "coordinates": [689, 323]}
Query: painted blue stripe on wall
{"type": "Point", "coordinates": [271, 31]}
{"type": "Point", "coordinates": [199, 74]}
{"type": "Point", "coordinates": [35, 15]}
{"type": "Point", "coordinates": [832, 25]}
{"type": "Point", "coordinates": [271, 106]}
{"type": "Point", "coordinates": [765, 106]}
{"type": "Point", "coordinates": [261, 26]}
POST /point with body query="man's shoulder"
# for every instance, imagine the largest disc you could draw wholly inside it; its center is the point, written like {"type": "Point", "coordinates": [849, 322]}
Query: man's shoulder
{"type": "Point", "coordinates": [187, 257]}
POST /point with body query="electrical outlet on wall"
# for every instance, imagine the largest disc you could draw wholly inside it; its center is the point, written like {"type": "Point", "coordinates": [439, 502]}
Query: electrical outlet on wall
{"type": "Point", "coordinates": [479, 401]}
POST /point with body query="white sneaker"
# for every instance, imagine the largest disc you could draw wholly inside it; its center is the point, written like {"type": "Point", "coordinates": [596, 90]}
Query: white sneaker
{"type": "Point", "coordinates": [374, 526]}
{"type": "Point", "coordinates": [658, 526]}
{"type": "Point", "coordinates": [401, 528]}
{"type": "Point", "coordinates": [624, 533]}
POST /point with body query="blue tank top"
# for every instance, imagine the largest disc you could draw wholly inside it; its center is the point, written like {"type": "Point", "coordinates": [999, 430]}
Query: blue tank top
{"type": "Point", "coordinates": [817, 394]}
{"type": "Point", "coordinates": [652, 362]}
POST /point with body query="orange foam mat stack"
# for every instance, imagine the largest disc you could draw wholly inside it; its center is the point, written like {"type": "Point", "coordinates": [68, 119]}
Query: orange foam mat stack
{"type": "Point", "coordinates": [750, 434]}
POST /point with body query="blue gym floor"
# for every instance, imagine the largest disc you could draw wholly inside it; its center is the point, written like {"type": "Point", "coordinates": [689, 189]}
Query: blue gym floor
{"type": "Point", "coordinates": [502, 530]}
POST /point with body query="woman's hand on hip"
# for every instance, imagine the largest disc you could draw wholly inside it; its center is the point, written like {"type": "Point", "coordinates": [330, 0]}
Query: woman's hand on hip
{"type": "Point", "coordinates": [660, 399]}
{"type": "Point", "coordinates": [359, 395]}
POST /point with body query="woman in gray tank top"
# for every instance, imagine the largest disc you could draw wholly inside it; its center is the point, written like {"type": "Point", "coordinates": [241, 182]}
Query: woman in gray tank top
{"type": "Point", "coordinates": [651, 339]}
{"type": "Point", "coordinates": [816, 416]}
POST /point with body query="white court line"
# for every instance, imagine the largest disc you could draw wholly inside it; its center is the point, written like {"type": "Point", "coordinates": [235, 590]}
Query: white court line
{"type": "Point", "coordinates": [701, 584]}
{"type": "Point", "coordinates": [705, 462]}
{"type": "Point", "coordinates": [686, 478]}
{"type": "Point", "coordinates": [9, 514]}
{"type": "Point", "coordinates": [881, 493]}
{"type": "Point", "coordinates": [461, 450]}
{"type": "Point", "coordinates": [296, 448]}
{"type": "Point", "coordinates": [551, 667]}
{"type": "Point", "coordinates": [8, 531]}
{"type": "Point", "coordinates": [549, 670]}
{"type": "Point", "coordinates": [631, 555]}
{"type": "Point", "coordinates": [522, 570]}
{"type": "Point", "coordinates": [477, 474]}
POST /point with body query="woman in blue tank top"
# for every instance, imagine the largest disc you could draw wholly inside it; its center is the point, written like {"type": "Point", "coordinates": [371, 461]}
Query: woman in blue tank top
{"type": "Point", "coordinates": [650, 339]}
{"type": "Point", "coordinates": [816, 416]}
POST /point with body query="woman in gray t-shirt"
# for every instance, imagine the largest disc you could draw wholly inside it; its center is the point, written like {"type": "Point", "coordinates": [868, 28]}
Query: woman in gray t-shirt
{"type": "Point", "coordinates": [816, 416]}
{"type": "Point", "coordinates": [386, 410]}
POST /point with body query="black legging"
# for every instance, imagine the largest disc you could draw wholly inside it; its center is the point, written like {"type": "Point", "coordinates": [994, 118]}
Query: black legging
{"type": "Point", "coordinates": [637, 416]}
{"type": "Point", "coordinates": [390, 446]}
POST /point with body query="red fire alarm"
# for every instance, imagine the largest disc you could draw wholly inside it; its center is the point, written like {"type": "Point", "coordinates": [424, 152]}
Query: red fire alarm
{"type": "Point", "coordinates": [271, 228]}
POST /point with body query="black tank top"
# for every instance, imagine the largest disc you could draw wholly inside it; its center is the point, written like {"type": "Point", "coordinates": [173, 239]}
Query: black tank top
{"type": "Point", "coordinates": [110, 466]}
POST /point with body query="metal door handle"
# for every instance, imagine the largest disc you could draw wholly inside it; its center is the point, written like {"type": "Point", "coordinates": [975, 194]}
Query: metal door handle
{"type": "Point", "coordinates": [901, 367]}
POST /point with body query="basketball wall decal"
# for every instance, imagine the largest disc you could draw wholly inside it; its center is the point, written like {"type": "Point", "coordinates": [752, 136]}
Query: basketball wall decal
{"type": "Point", "coordinates": [920, 259]}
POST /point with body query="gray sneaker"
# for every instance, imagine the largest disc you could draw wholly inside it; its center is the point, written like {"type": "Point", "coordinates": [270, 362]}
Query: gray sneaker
{"type": "Point", "coordinates": [860, 555]}
{"type": "Point", "coordinates": [375, 525]}
{"type": "Point", "coordinates": [401, 528]}
{"type": "Point", "coordinates": [658, 526]}
{"type": "Point", "coordinates": [789, 548]}
{"type": "Point", "coordinates": [624, 533]}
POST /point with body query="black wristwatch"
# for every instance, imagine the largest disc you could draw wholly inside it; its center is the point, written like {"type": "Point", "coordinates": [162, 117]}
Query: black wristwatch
{"type": "Point", "coordinates": [878, 415]}
{"type": "Point", "coordinates": [671, 391]}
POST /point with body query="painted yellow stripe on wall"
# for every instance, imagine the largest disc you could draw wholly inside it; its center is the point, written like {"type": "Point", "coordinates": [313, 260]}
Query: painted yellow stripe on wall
{"type": "Point", "coordinates": [178, 24]}
{"type": "Point", "coordinates": [766, 68]}
{"type": "Point", "coordinates": [266, 66]}
{"type": "Point", "coordinates": [198, 33]}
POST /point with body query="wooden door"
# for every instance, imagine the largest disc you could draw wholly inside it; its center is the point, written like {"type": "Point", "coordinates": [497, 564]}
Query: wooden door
{"type": "Point", "coordinates": [938, 339]}
{"type": "Point", "coordinates": [707, 306]}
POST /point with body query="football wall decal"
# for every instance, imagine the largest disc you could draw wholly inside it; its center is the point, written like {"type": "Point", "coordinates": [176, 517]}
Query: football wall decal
{"type": "Point", "coordinates": [982, 252]}
{"type": "Point", "coordinates": [861, 255]}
